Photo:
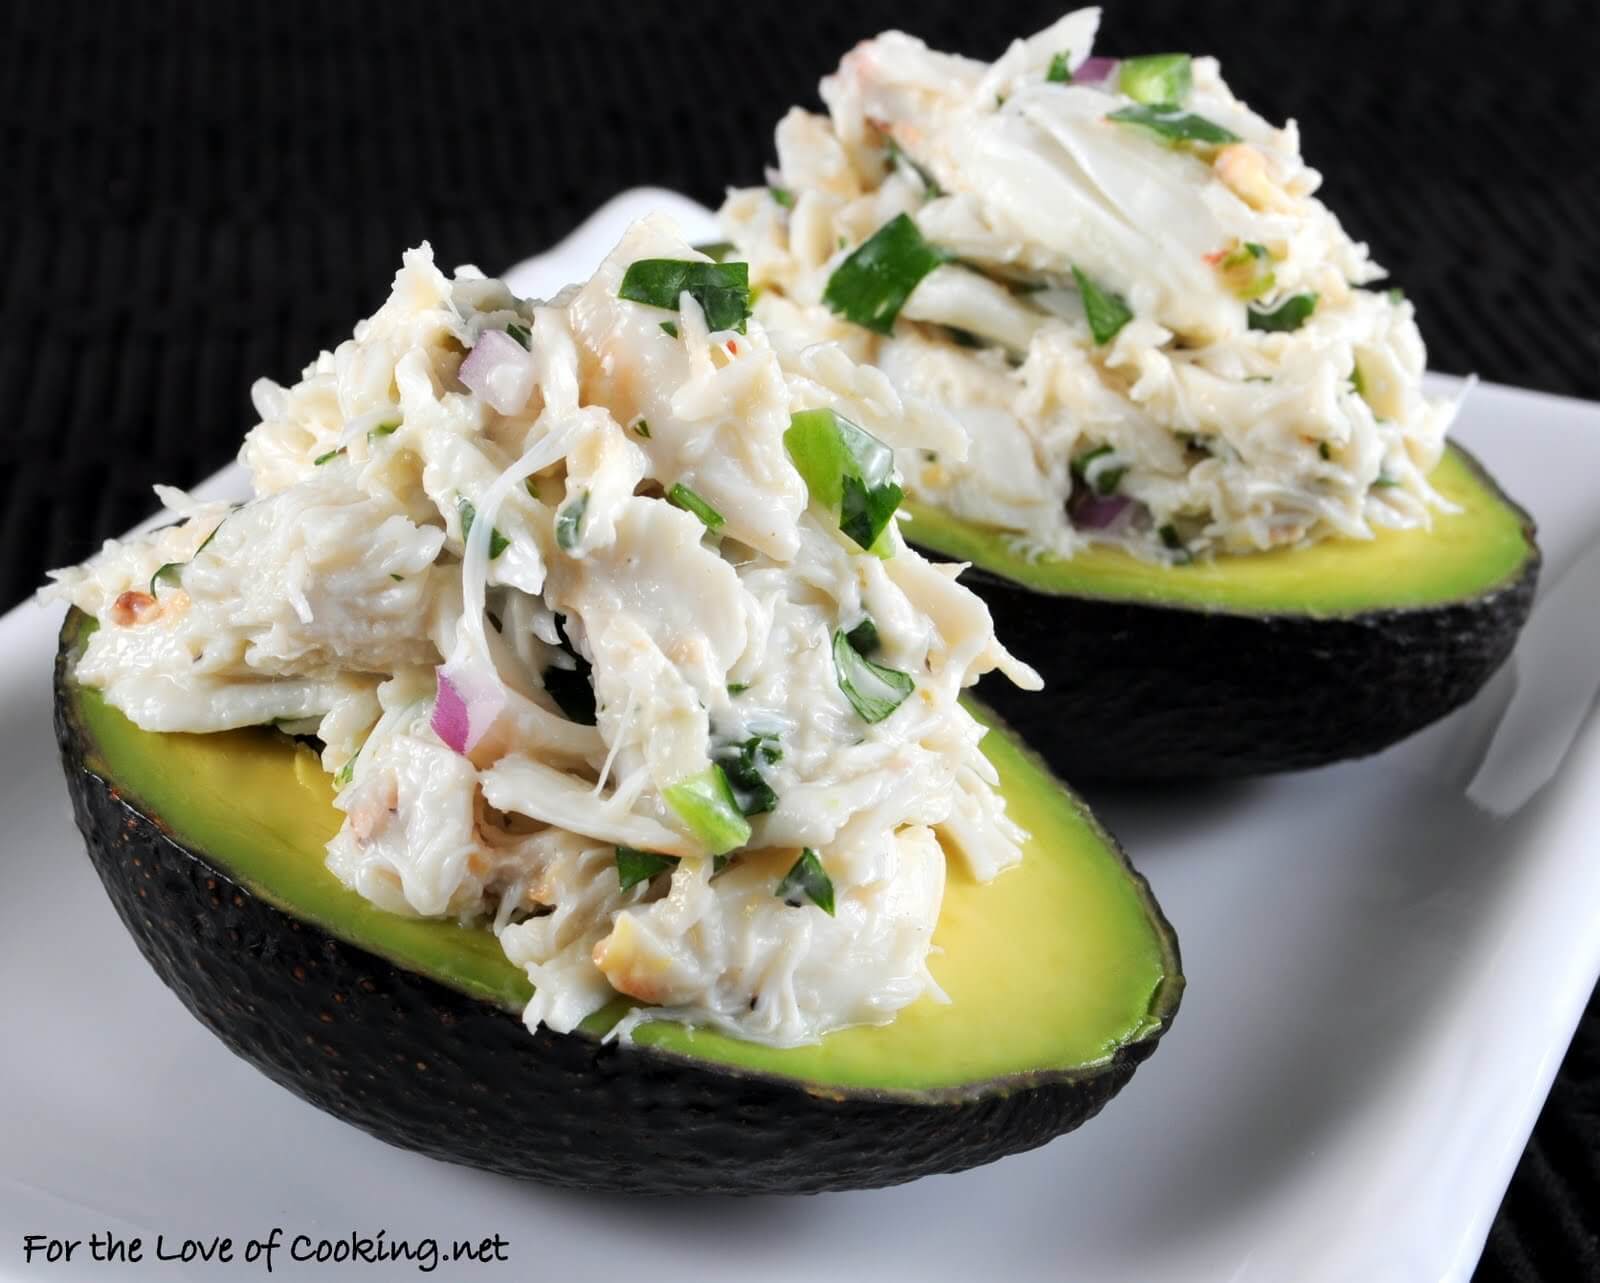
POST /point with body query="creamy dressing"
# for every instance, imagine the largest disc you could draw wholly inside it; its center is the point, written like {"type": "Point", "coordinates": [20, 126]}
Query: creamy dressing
{"type": "Point", "coordinates": [1219, 436]}
{"type": "Point", "coordinates": [468, 502]}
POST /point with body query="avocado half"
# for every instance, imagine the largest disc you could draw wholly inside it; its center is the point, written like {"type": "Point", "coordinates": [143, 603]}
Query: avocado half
{"type": "Point", "coordinates": [1062, 974]}
{"type": "Point", "coordinates": [1245, 665]}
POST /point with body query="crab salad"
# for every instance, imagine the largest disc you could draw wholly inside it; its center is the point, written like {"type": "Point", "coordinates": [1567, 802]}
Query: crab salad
{"type": "Point", "coordinates": [599, 615]}
{"type": "Point", "coordinates": [1118, 277]}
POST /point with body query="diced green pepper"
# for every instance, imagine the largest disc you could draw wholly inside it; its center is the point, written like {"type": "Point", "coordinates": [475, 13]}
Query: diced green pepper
{"type": "Point", "coordinates": [848, 471]}
{"type": "Point", "coordinates": [1157, 79]}
{"type": "Point", "coordinates": [706, 804]}
{"type": "Point", "coordinates": [1248, 271]}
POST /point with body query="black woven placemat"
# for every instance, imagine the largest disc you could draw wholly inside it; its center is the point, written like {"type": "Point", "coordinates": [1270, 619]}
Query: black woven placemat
{"type": "Point", "coordinates": [195, 194]}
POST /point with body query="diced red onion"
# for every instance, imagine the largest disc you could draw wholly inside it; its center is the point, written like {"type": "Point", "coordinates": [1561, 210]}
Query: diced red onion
{"type": "Point", "coordinates": [450, 722]}
{"type": "Point", "coordinates": [1095, 71]}
{"type": "Point", "coordinates": [466, 705]}
{"type": "Point", "coordinates": [1108, 514]}
{"type": "Point", "coordinates": [500, 371]}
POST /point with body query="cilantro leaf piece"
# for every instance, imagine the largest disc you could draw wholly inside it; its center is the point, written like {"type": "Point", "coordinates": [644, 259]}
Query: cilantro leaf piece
{"type": "Point", "coordinates": [1287, 317]}
{"type": "Point", "coordinates": [1173, 125]}
{"type": "Point", "coordinates": [871, 286]}
{"type": "Point", "coordinates": [635, 866]}
{"type": "Point", "coordinates": [741, 763]}
{"type": "Point", "coordinates": [680, 496]}
{"type": "Point", "coordinates": [1107, 312]}
{"type": "Point", "coordinates": [864, 636]}
{"type": "Point", "coordinates": [809, 879]}
{"type": "Point", "coordinates": [569, 522]}
{"type": "Point", "coordinates": [873, 690]}
{"type": "Point", "coordinates": [721, 289]}
{"type": "Point", "coordinates": [498, 543]}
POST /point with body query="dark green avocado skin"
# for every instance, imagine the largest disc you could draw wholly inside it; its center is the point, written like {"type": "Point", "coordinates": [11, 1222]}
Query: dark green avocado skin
{"type": "Point", "coordinates": [1153, 692]}
{"type": "Point", "coordinates": [429, 1068]}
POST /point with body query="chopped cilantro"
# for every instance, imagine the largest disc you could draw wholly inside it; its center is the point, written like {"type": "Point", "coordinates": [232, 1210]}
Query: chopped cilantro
{"type": "Point", "coordinates": [680, 496]}
{"type": "Point", "coordinates": [873, 690]}
{"type": "Point", "coordinates": [721, 289]}
{"type": "Point", "coordinates": [717, 251]}
{"type": "Point", "coordinates": [864, 637]}
{"type": "Point", "coordinates": [1105, 478]}
{"type": "Point", "coordinates": [569, 521]}
{"type": "Point", "coordinates": [635, 866]}
{"type": "Point", "coordinates": [498, 543]}
{"type": "Point", "coordinates": [872, 284]}
{"type": "Point", "coordinates": [1107, 312]}
{"type": "Point", "coordinates": [809, 879]}
{"type": "Point", "coordinates": [1287, 317]}
{"type": "Point", "coordinates": [897, 156]}
{"type": "Point", "coordinates": [1173, 541]}
{"type": "Point", "coordinates": [1173, 126]}
{"type": "Point", "coordinates": [741, 763]}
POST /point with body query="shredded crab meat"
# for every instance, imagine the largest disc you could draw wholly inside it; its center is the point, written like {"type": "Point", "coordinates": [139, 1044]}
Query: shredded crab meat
{"type": "Point", "coordinates": [445, 562]}
{"type": "Point", "coordinates": [1226, 437]}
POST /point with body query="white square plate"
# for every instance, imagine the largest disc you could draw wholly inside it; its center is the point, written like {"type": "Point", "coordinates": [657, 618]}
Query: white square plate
{"type": "Point", "coordinates": [1386, 961]}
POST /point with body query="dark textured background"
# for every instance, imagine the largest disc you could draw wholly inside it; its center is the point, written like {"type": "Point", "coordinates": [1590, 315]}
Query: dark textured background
{"type": "Point", "coordinates": [195, 194]}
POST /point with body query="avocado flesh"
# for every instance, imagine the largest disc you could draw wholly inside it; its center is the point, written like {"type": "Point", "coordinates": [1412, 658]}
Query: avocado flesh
{"type": "Point", "coordinates": [1248, 665]}
{"type": "Point", "coordinates": [1462, 555]}
{"type": "Point", "coordinates": [1051, 968]}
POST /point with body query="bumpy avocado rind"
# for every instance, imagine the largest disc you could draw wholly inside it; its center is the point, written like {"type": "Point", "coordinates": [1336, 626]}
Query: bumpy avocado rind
{"type": "Point", "coordinates": [1251, 665]}
{"type": "Point", "coordinates": [434, 1057]}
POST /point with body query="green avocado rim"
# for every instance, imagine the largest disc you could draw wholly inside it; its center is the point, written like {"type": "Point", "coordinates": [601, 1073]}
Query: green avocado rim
{"type": "Point", "coordinates": [1465, 554]}
{"type": "Point", "coordinates": [1122, 994]}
